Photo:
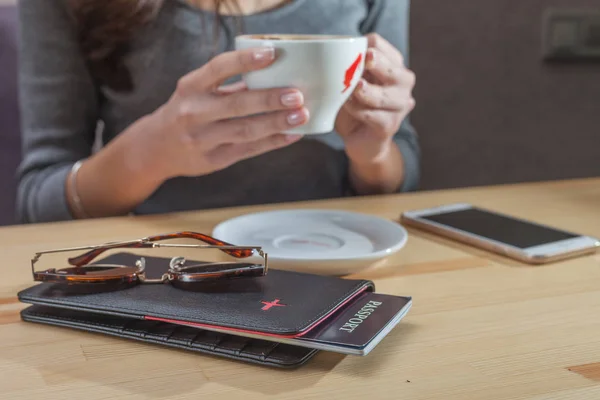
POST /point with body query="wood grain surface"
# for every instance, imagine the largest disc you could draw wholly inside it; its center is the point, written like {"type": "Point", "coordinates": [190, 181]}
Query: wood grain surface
{"type": "Point", "coordinates": [482, 326]}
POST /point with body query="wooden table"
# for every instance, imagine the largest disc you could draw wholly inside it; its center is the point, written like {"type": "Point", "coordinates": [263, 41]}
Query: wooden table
{"type": "Point", "coordinates": [482, 326]}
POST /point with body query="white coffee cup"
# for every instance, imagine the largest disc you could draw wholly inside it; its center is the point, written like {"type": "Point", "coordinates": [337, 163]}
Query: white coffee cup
{"type": "Point", "coordinates": [326, 69]}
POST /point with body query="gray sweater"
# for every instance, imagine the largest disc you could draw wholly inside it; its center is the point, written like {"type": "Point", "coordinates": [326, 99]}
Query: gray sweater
{"type": "Point", "coordinates": [62, 105]}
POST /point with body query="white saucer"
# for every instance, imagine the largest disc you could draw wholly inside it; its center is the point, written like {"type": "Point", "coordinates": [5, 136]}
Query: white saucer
{"type": "Point", "coordinates": [323, 242]}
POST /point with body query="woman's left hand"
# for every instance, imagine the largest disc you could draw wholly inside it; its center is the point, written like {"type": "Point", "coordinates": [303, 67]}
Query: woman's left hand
{"type": "Point", "coordinates": [382, 100]}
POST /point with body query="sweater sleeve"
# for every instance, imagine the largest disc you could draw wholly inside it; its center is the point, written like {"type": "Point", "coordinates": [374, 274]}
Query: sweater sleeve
{"type": "Point", "coordinates": [390, 19]}
{"type": "Point", "coordinates": [59, 109]}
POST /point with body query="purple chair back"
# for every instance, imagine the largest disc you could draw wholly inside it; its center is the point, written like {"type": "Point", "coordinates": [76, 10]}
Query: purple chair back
{"type": "Point", "coordinates": [10, 142]}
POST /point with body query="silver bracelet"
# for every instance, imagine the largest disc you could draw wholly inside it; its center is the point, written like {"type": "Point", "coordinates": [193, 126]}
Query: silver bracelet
{"type": "Point", "coordinates": [74, 195]}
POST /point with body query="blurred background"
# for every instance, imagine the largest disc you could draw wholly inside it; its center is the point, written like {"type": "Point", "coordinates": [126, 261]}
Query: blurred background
{"type": "Point", "coordinates": [507, 91]}
{"type": "Point", "coordinates": [491, 107]}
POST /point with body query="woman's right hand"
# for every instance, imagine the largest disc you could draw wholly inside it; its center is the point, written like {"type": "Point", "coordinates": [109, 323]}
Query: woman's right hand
{"type": "Point", "coordinates": [201, 129]}
{"type": "Point", "coordinates": [204, 127]}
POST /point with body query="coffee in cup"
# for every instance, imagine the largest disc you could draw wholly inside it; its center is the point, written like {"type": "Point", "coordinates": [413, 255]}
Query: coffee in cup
{"type": "Point", "coordinates": [325, 68]}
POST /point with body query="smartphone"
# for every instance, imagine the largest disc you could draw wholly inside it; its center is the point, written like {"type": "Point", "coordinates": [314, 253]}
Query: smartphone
{"type": "Point", "coordinates": [516, 238]}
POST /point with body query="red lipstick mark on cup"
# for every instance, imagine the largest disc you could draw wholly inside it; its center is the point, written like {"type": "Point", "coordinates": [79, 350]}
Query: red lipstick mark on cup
{"type": "Point", "coordinates": [350, 72]}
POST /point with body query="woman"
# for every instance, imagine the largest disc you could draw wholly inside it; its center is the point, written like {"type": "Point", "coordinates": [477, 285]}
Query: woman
{"type": "Point", "coordinates": [177, 132]}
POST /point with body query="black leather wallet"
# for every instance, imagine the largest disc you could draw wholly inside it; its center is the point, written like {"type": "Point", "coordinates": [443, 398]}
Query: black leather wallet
{"type": "Point", "coordinates": [281, 304]}
{"type": "Point", "coordinates": [192, 339]}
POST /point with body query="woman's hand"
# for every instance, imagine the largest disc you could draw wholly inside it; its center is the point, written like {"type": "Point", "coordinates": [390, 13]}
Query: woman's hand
{"type": "Point", "coordinates": [379, 104]}
{"type": "Point", "coordinates": [204, 127]}
{"type": "Point", "coordinates": [373, 115]}
{"type": "Point", "coordinates": [201, 129]}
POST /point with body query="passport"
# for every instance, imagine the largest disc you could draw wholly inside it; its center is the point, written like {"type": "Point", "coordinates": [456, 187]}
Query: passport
{"type": "Point", "coordinates": [354, 330]}
{"type": "Point", "coordinates": [359, 328]}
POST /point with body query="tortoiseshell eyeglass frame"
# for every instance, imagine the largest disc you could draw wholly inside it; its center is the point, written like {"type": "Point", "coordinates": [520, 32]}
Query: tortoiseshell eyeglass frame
{"type": "Point", "coordinates": [177, 274]}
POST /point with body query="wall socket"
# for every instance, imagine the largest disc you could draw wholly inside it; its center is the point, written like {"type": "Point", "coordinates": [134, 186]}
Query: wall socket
{"type": "Point", "coordinates": [571, 35]}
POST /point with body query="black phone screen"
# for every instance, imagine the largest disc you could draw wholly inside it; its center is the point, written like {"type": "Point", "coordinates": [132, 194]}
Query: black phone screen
{"type": "Point", "coordinates": [500, 228]}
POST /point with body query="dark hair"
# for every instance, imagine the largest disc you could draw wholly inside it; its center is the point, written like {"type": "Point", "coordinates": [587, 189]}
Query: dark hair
{"type": "Point", "coordinates": [105, 29]}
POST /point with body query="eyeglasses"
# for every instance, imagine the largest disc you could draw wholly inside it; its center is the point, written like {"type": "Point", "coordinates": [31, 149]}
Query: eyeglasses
{"type": "Point", "coordinates": [178, 274]}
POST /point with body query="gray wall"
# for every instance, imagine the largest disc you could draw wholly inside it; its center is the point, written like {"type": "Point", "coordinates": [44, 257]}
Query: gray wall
{"type": "Point", "coordinates": [489, 110]}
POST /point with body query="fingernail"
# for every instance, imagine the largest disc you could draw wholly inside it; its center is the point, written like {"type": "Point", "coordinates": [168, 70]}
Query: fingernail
{"type": "Point", "coordinates": [264, 54]}
{"type": "Point", "coordinates": [371, 59]}
{"type": "Point", "coordinates": [293, 99]}
{"type": "Point", "coordinates": [296, 118]}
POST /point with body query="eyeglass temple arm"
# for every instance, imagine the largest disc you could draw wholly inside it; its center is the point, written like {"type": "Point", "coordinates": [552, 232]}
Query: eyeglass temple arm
{"type": "Point", "coordinates": [34, 260]}
{"type": "Point", "coordinates": [148, 242]}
